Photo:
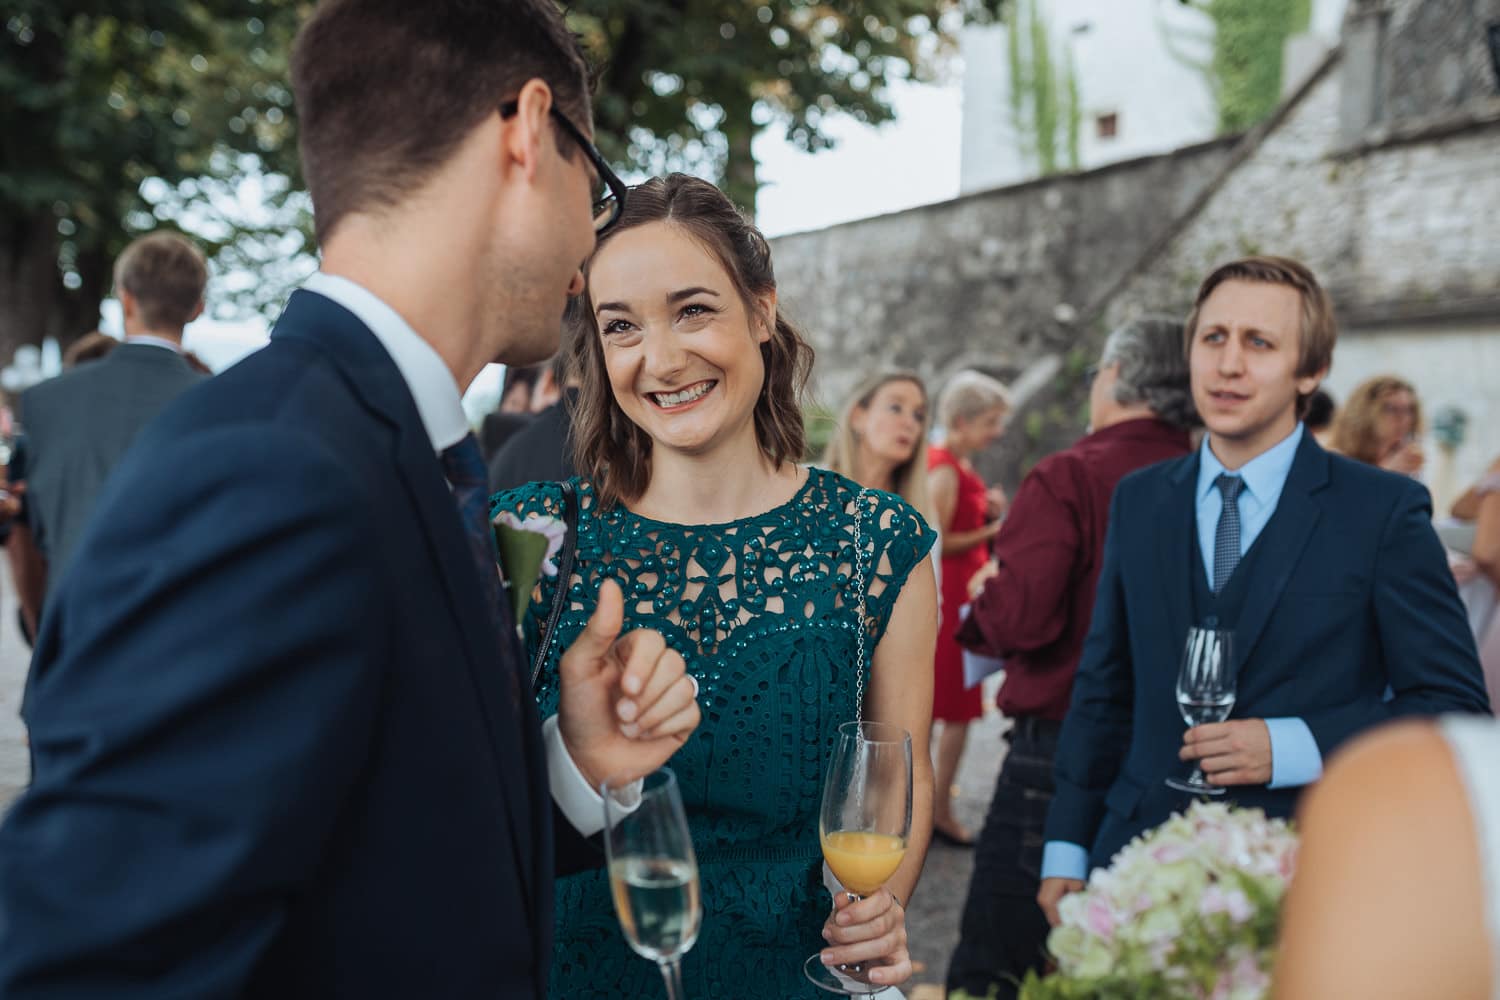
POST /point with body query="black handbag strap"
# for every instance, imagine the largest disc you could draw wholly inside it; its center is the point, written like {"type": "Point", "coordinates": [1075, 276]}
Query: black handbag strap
{"type": "Point", "coordinates": [564, 580]}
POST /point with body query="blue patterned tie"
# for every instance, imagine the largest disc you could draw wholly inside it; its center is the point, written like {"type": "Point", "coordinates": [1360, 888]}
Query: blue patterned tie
{"type": "Point", "coordinates": [1227, 537]}
{"type": "Point", "coordinates": [464, 467]}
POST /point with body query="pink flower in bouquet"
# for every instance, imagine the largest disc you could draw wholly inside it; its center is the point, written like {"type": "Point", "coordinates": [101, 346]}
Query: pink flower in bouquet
{"type": "Point", "coordinates": [1099, 919]}
{"type": "Point", "coordinates": [1169, 853]}
{"type": "Point", "coordinates": [1230, 901]}
{"type": "Point", "coordinates": [1184, 912]}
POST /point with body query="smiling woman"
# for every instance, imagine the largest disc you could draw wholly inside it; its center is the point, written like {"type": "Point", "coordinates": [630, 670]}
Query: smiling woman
{"type": "Point", "coordinates": [798, 600]}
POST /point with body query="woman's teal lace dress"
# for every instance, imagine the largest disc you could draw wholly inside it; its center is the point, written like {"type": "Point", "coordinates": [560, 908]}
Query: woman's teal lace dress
{"type": "Point", "coordinates": [764, 611]}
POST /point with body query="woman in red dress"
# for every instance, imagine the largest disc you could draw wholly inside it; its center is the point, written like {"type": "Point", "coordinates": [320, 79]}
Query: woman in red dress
{"type": "Point", "coordinates": [971, 412]}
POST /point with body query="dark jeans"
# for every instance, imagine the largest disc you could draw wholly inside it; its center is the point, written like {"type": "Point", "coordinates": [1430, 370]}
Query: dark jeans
{"type": "Point", "coordinates": [1004, 932]}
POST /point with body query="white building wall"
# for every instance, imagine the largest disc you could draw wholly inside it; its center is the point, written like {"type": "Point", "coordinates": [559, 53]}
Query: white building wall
{"type": "Point", "coordinates": [1124, 54]}
{"type": "Point", "coordinates": [1448, 365]}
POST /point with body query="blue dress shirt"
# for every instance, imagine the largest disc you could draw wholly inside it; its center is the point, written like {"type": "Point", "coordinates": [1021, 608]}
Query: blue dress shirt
{"type": "Point", "coordinates": [1295, 758]}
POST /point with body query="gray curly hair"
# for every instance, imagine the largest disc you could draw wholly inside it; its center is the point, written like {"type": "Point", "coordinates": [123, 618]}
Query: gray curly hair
{"type": "Point", "coordinates": [1153, 369]}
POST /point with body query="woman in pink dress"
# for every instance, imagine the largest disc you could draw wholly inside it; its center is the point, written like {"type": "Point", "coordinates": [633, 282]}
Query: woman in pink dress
{"type": "Point", "coordinates": [971, 412]}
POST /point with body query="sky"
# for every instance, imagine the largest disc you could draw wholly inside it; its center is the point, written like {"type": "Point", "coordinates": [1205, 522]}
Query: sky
{"type": "Point", "coordinates": [911, 161]}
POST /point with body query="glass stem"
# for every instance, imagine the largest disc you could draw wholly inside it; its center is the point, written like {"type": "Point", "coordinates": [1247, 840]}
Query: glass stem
{"type": "Point", "coordinates": [856, 968]}
{"type": "Point", "coordinates": [671, 974]}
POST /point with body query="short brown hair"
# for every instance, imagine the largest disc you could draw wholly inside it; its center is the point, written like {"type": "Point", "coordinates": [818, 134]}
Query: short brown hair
{"type": "Point", "coordinates": [1319, 327]}
{"type": "Point", "coordinates": [166, 273]}
{"type": "Point", "coordinates": [90, 347]}
{"type": "Point", "coordinates": [1356, 429]}
{"type": "Point", "coordinates": [609, 448]}
{"type": "Point", "coordinates": [386, 90]}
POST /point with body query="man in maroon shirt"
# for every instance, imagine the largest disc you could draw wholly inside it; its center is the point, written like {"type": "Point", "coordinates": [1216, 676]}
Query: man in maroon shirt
{"type": "Point", "coordinates": [1032, 606]}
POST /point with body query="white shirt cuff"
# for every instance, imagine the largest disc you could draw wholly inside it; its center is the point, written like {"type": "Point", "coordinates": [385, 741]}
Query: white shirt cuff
{"type": "Point", "coordinates": [580, 803]}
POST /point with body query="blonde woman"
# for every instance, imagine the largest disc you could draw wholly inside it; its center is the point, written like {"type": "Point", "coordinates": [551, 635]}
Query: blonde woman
{"type": "Point", "coordinates": [881, 440]}
{"type": "Point", "coordinates": [971, 412]}
{"type": "Point", "coordinates": [1380, 425]}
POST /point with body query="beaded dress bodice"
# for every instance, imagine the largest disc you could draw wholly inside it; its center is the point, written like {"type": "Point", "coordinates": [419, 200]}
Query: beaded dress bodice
{"type": "Point", "coordinates": [764, 611]}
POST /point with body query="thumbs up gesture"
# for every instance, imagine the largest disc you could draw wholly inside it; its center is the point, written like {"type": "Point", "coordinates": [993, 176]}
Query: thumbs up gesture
{"type": "Point", "coordinates": [627, 702]}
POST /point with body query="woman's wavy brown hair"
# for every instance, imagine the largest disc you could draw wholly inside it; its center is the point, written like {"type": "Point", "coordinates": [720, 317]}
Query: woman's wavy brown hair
{"type": "Point", "coordinates": [611, 450]}
{"type": "Point", "coordinates": [1356, 427]}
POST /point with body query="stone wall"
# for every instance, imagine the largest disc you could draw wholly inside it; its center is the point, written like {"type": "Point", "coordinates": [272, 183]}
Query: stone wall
{"type": "Point", "coordinates": [995, 279]}
{"type": "Point", "coordinates": [1435, 56]}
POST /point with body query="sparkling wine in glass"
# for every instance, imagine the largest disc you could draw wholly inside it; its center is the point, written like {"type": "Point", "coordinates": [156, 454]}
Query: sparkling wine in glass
{"type": "Point", "coordinates": [1205, 692]}
{"type": "Point", "coordinates": [653, 874]}
{"type": "Point", "coordinates": [864, 825]}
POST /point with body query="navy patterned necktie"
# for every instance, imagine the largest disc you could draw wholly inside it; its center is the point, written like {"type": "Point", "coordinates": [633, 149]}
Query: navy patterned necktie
{"type": "Point", "coordinates": [1227, 537]}
{"type": "Point", "coordinates": [464, 468]}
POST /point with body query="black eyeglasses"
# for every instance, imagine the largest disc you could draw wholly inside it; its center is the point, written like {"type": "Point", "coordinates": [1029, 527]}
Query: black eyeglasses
{"type": "Point", "coordinates": [609, 196]}
{"type": "Point", "coordinates": [1090, 373]}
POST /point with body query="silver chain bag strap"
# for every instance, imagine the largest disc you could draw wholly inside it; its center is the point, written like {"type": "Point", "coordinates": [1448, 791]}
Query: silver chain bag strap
{"type": "Point", "coordinates": [861, 657]}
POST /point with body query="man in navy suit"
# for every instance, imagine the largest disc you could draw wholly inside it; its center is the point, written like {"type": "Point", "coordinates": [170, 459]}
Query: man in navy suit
{"type": "Point", "coordinates": [283, 738]}
{"type": "Point", "coordinates": [1327, 571]}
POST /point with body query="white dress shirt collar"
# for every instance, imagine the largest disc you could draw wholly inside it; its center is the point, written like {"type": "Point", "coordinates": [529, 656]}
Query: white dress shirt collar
{"type": "Point", "coordinates": [146, 338]}
{"type": "Point", "coordinates": [1264, 475]}
{"type": "Point", "coordinates": [431, 384]}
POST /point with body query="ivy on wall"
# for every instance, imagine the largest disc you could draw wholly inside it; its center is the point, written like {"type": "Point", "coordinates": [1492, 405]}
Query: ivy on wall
{"type": "Point", "coordinates": [1245, 68]}
{"type": "Point", "coordinates": [1045, 107]}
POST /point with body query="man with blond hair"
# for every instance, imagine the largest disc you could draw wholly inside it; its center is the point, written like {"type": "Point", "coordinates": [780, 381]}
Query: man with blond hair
{"type": "Point", "coordinates": [80, 424]}
{"type": "Point", "coordinates": [1327, 571]}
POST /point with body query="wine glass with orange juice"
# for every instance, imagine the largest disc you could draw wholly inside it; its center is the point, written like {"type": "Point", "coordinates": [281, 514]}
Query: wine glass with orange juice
{"type": "Point", "coordinates": [863, 825]}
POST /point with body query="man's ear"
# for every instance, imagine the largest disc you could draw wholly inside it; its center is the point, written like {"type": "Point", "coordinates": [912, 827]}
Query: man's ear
{"type": "Point", "coordinates": [522, 134]}
{"type": "Point", "coordinates": [197, 311]}
{"type": "Point", "coordinates": [1308, 384]}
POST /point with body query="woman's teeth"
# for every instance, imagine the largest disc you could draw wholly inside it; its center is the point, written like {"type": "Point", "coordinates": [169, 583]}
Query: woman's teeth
{"type": "Point", "coordinates": [666, 399]}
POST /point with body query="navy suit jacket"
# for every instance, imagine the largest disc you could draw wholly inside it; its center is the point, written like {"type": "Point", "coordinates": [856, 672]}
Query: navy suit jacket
{"type": "Point", "coordinates": [1352, 594]}
{"type": "Point", "coordinates": [278, 750]}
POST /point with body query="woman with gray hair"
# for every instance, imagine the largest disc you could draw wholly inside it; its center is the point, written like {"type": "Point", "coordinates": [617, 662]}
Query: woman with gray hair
{"type": "Point", "coordinates": [971, 412]}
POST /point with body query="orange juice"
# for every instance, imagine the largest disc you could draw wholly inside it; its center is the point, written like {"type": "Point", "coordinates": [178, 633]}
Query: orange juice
{"type": "Point", "coordinates": [862, 861]}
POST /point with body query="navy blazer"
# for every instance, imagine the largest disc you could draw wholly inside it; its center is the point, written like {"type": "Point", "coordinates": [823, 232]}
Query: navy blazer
{"type": "Point", "coordinates": [1352, 594]}
{"type": "Point", "coordinates": [278, 751]}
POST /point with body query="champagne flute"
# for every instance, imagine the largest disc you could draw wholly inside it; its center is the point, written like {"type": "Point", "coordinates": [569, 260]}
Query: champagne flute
{"type": "Point", "coordinates": [1205, 692]}
{"type": "Point", "coordinates": [864, 825]}
{"type": "Point", "coordinates": [653, 873]}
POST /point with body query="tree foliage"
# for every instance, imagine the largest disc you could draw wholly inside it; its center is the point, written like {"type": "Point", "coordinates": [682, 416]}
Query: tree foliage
{"type": "Point", "coordinates": [687, 84]}
{"type": "Point", "coordinates": [117, 116]}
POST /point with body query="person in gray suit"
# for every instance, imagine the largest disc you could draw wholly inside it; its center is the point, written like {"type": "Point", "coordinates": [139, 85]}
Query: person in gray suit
{"type": "Point", "coordinates": [80, 424]}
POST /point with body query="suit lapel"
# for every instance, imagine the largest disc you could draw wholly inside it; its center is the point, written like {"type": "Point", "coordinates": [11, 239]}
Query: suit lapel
{"type": "Point", "coordinates": [1176, 508]}
{"type": "Point", "coordinates": [374, 377]}
{"type": "Point", "coordinates": [1281, 543]}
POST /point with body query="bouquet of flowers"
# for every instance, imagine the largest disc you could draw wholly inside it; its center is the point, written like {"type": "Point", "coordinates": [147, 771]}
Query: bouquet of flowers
{"type": "Point", "coordinates": [1187, 911]}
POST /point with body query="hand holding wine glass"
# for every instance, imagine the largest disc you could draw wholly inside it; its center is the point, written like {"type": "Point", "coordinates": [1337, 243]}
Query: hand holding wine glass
{"type": "Point", "coordinates": [864, 826]}
{"type": "Point", "coordinates": [1205, 692]}
{"type": "Point", "coordinates": [653, 872]}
